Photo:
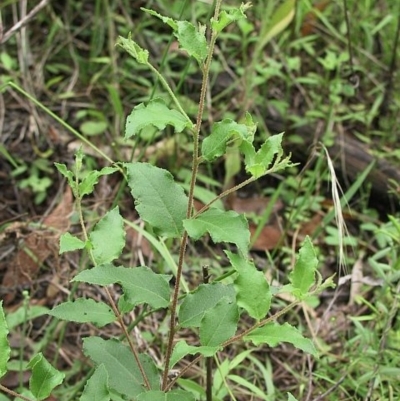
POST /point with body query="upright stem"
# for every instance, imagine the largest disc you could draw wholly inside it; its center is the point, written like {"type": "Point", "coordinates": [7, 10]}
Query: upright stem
{"type": "Point", "coordinates": [195, 166]}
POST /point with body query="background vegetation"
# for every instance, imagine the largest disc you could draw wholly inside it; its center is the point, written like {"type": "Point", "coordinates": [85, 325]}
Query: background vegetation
{"type": "Point", "coordinates": [320, 78]}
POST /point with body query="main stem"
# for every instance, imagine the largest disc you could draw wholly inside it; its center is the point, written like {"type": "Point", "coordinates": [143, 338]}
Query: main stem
{"type": "Point", "coordinates": [195, 166]}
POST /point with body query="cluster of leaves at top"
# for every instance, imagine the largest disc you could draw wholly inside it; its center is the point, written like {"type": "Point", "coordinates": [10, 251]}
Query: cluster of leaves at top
{"type": "Point", "coordinates": [212, 310]}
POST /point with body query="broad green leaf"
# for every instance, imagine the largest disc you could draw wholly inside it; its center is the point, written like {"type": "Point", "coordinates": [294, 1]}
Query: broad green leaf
{"type": "Point", "coordinates": [274, 334]}
{"type": "Point", "coordinates": [252, 289]}
{"type": "Point", "coordinates": [159, 200]}
{"type": "Point", "coordinates": [303, 274]}
{"type": "Point", "coordinates": [223, 133]}
{"type": "Point", "coordinates": [84, 311]}
{"type": "Point", "coordinates": [190, 38]}
{"type": "Point", "coordinates": [93, 128]}
{"type": "Point", "coordinates": [123, 372]}
{"type": "Point", "coordinates": [182, 349]}
{"type": "Point", "coordinates": [222, 226]}
{"type": "Point", "coordinates": [227, 17]}
{"type": "Point", "coordinates": [69, 243]}
{"type": "Point", "coordinates": [108, 237]}
{"type": "Point", "coordinates": [281, 18]}
{"type": "Point", "coordinates": [4, 345]}
{"type": "Point", "coordinates": [86, 186]}
{"type": "Point", "coordinates": [205, 297]}
{"type": "Point", "coordinates": [140, 284]}
{"type": "Point", "coordinates": [156, 113]}
{"type": "Point", "coordinates": [139, 54]}
{"type": "Point", "coordinates": [96, 388]}
{"type": "Point", "coordinates": [44, 377]}
{"type": "Point", "coordinates": [219, 323]}
{"type": "Point", "coordinates": [174, 395]}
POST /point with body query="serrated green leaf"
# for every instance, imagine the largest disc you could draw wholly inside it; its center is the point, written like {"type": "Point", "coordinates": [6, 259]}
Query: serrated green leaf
{"type": "Point", "coordinates": [84, 311]}
{"type": "Point", "coordinates": [252, 288]}
{"type": "Point", "coordinates": [69, 243]}
{"type": "Point", "coordinates": [44, 377]}
{"type": "Point", "coordinates": [219, 323]}
{"type": "Point", "coordinates": [68, 174]}
{"type": "Point", "coordinates": [223, 133]}
{"type": "Point", "coordinates": [196, 304]}
{"type": "Point", "coordinates": [174, 395]}
{"type": "Point", "coordinates": [274, 334]}
{"type": "Point", "coordinates": [140, 284]}
{"type": "Point", "coordinates": [159, 200]}
{"type": "Point", "coordinates": [190, 38]}
{"type": "Point", "coordinates": [123, 372]}
{"type": "Point", "coordinates": [303, 274]}
{"type": "Point", "coordinates": [139, 54]}
{"type": "Point", "coordinates": [227, 17]}
{"type": "Point", "coordinates": [96, 388]}
{"type": "Point", "coordinates": [156, 113]}
{"type": "Point", "coordinates": [223, 226]}
{"type": "Point", "coordinates": [5, 349]}
{"type": "Point", "coordinates": [108, 237]}
{"type": "Point", "coordinates": [182, 349]}
{"type": "Point", "coordinates": [86, 186]}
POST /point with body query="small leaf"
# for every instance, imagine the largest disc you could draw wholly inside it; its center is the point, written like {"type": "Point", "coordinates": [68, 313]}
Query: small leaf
{"type": "Point", "coordinates": [108, 237]}
{"type": "Point", "coordinates": [227, 17]}
{"type": "Point", "coordinates": [140, 284]}
{"type": "Point", "coordinates": [222, 226]}
{"type": "Point", "coordinates": [219, 323]}
{"type": "Point", "coordinates": [96, 388]}
{"type": "Point", "coordinates": [93, 128]}
{"type": "Point", "coordinates": [123, 372]}
{"type": "Point", "coordinates": [68, 174]}
{"type": "Point", "coordinates": [252, 289]}
{"type": "Point", "coordinates": [190, 38]}
{"type": "Point", "coordinates": [44, 377]}
{"type": "Point", "coordinates": [86, 186]}
{"type": "Point", "coordinates": [182, 349]}
{"type": "Point", "coordinates": [303, 274]}
{"type": "Point", "coordinates": [4, 345]}
{"type": "Point", "coordinates": [274, 334]}
{"type": "Point", "coordinates": [290, 397]}
{"type": "Point", "coordinates": [156, 113]}
{"type": "Point", "coordinates": [223, 133]}
{"type": "Point", "coordinates": [84, 311]}
{"type": "Point", "coordinates": [196, 304]}
{"type": "Point", "coordinates": [159, 200]}
{"type": "Point", "coordinates": [69, 243]}
{"type": "Point", "coordinates": [139, 54]}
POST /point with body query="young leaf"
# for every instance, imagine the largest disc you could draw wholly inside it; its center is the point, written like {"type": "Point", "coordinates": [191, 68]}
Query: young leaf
{"type": "Point", "coordinates": [123, 372]}
{"type": "Point", "coordinates": [227, 17]}
{"type": "Point", "coordinates": [96, 388]}
{"type": "Point", "coordinates": [140, 284]}
{"type": "Point", "coordinates": [70, 243]}
{"type": "Point", "coordinates": [174, 395]}
{"type": "Point", "coordinates": [222, 133]}
{"type": "Point", "coordinates": [84, 311]}
{"type": "Point", "coordinates": [219, 323]}
{"type": "Point", "coordinates": [44, 377]}
{"type": "Point", "coordinates": [274, 334]}
{"type": "Point", "coordinates": [139, 54]}
{"type": "Point", "coordinates": [182, 349]}
{"type": "Point", "coordinates": [5, 349]}
{"type": "Point", "coordinates": [303, 274]}
{"type": "Point", "coordinates": [157, 114]}
{"type": "Point", "coordinates": [108, 237]}
{"type": "Point", "coordinates": [191, 39]}
{"type": "Point", "coordinates": [205, 297]}
{"type": "Point", "coordinates": [159, 200]}
{"type": "Point", "coordinates": [86, 186]}
{"type": "Point", "coordinates": [252, 289]}
{"type": "Point", "coordinates": [222, 226]}
{"type": "Point", "coordinates": [68, 174]}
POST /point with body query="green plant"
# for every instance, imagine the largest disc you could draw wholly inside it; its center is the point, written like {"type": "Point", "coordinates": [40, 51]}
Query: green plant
{"type": "Point", "coordinates": [213, 310]}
